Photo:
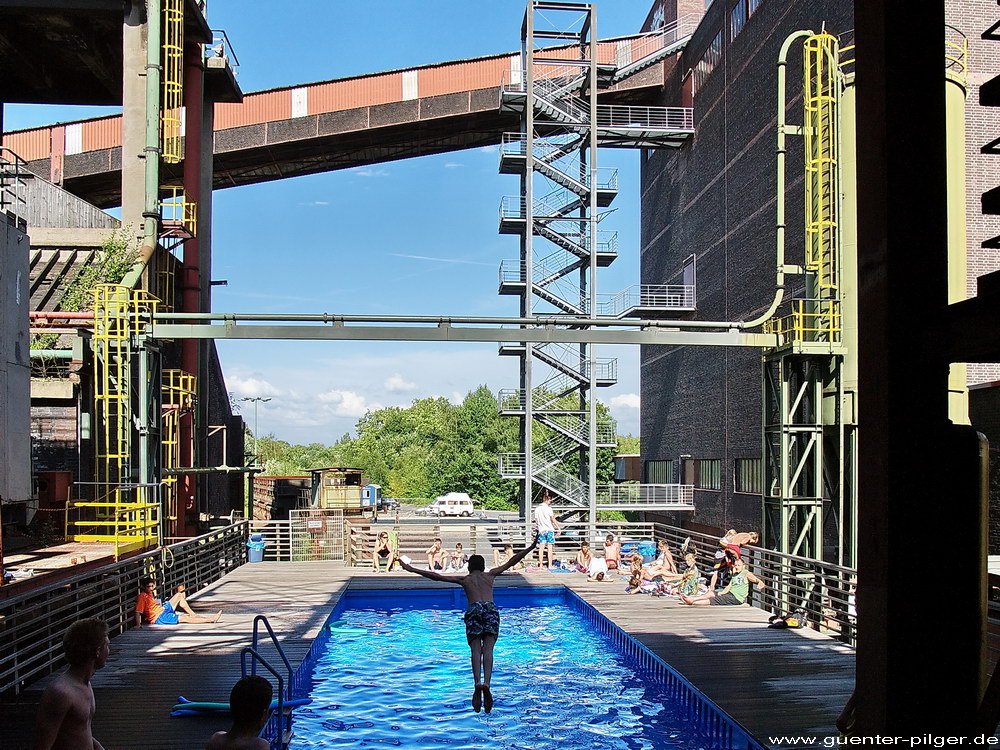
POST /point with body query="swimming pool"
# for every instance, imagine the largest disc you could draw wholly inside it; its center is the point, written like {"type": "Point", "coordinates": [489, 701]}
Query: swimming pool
{"type": "Point", "coordinates": [565, 676]}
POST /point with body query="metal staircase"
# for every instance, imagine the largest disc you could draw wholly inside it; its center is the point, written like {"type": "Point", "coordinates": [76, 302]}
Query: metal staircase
{"type": "Point", "coordinates": [556, 216]}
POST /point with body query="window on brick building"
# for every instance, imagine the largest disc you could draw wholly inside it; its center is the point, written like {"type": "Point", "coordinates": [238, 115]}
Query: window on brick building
{"type": "Point", "coordinates": [707, 63]}
{"type": "Point", "coordinates": [752, 5]}
{"type": "Point", "coordinates": [659, 471]}
{"type": "Point", "coordinates": [709, 474]}
{"type": "Point", "coordinates": [749, 475]}
{"type": "Point", "coordinates": [737, 18]}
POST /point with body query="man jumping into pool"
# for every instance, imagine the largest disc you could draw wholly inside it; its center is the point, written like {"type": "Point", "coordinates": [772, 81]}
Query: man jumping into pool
{"type": "Point", "coordinates": [482, 618]}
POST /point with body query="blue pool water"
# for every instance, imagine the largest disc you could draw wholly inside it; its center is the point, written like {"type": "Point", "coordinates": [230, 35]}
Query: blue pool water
{"type": "Point", "coordinates": [558, 682]}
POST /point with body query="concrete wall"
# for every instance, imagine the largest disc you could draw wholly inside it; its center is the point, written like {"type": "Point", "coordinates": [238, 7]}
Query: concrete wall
{"type": "Point", "coordinates": [15, 375]}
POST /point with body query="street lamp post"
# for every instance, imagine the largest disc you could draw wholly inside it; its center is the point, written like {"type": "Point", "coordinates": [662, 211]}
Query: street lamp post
{"type": "Point", "coordinates": [256, 400]}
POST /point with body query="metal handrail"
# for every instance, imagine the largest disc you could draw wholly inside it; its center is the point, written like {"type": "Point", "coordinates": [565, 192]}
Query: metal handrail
{"type": "Point", "coordinates": [629, 117]}
{"type": "Point", "coordinates": [222, 47]}
{"type": "Point", "coordinates": [274, 640]}
{"type": "Point", "coordinates": [280, 708]}
{"type": "Point", "coordinates": [654, 296]}
{"type": "Point", "coordinates": [12, 186]}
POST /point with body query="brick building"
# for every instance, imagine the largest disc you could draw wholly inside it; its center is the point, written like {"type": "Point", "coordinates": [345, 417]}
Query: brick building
{"type": "Point", "coordinates": [708, 213]}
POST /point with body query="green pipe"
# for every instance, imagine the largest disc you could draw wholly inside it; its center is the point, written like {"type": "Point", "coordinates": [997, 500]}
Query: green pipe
{"type": "Point", "coordinates": [52, 354]}
{"type": "Point", "coordinates": [151, 152]}
{"type": "Point", "coordinates": [779, 292]}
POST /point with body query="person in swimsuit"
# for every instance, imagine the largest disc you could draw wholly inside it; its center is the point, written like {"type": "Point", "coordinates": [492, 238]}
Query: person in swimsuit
{"type": "Point", "coordinates": [508, 552]}
{"type": "Point", "coordinates": [437, 556]}
{"type": "Point", "coordinates": [731, 549]}
{"type": "Point", "coordinates": [459, 560]}
{"type": "Point", "coordinates": [382, 556]}
{"type": "Point", "coordinates": [166, 613]}
{"type": "Point", "coordinates": [612, 552]}
{"type": "Point", "coordinates": [735, 593]}
{"type": "Point", "coordinates": [482, 618]}
{"type": "Point", "coordinates": [584, 557]}
{"type": "Point", "coordinates": [66, 709]}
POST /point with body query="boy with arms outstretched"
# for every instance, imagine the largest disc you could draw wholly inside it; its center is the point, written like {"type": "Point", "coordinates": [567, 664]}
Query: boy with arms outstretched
{"type": "Point", "coordinates": [482, 618]}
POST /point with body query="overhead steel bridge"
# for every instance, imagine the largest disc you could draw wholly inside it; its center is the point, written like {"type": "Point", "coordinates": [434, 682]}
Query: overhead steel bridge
{"type": "Point", "coordinates": [346, 122]}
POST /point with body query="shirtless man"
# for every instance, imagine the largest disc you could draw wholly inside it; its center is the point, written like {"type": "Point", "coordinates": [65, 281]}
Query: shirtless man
{"type": "Point", "coordinates": [437, 556]}
{"type": "Point", "coordinates": [167, 612]}
{"type": "Point", "coordinates": [482, 618]}
{"type": "Point", "coordinates": [250, 707]}
{"type": "Point", "coordinates": [67, 707]}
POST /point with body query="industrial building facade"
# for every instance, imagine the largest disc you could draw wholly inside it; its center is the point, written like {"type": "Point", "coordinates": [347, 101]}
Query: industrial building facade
{"type": "Point", "coordinates": [709, 213]}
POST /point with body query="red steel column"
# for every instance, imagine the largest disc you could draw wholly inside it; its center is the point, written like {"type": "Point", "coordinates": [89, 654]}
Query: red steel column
{"type": "Point", "coordinates": [187, 523]}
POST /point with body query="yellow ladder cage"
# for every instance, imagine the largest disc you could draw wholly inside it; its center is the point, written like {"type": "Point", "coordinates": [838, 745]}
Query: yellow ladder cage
{"type": "Point", "coordinates": [121, 512]}
{"type": "Point", "coordinates": [179, 395]}
{"type": "Point", "coordinates": [822, 146]}
{"type": "Point", "coordinates": [172, 81]}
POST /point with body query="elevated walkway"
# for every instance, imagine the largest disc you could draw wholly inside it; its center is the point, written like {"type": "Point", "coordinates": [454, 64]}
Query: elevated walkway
{"type": "Point", "coordinates": [345, 123]}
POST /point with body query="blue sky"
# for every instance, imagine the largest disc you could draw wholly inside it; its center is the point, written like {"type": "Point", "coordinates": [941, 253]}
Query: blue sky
{"type": "Point", "coordinates": [408, 237]}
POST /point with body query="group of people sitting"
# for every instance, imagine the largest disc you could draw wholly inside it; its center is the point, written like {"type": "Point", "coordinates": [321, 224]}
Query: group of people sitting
{"type": "Point", "coordinates": [386, 552]}
{"type": "Point", "coordinates": [729, 583]}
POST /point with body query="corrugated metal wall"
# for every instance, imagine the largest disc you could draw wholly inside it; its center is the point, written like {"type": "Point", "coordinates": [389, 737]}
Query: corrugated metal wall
{"type": "Point", "coordinates": [29, 144]}
{"type": "Point", "coordinates": [331, 96]}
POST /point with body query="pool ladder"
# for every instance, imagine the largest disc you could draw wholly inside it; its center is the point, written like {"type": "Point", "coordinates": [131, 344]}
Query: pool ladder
{"type": "Point", "coordinates": [279, 726]}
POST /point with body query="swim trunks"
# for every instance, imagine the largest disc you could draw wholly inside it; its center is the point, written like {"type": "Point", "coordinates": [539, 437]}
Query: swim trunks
{"type": "Point", "coordinates": [167, 616]}
{"type": "Point", "coordinates": [725, 600]}
{"type": "Point", "coordinates": [548, 537]}
{"type": "Point", "coordinates": [482, 618]}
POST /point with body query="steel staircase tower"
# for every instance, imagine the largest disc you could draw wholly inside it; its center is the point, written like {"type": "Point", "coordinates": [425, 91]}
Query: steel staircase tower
{"type": "Point", "coordinates": [556, 216]}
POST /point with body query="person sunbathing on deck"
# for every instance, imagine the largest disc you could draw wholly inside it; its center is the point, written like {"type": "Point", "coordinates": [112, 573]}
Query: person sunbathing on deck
{"type": "Point", "coordinates": [508, 552]}
{"type": "Point", "coordinates": [459, 560]}
{"type": "Point", "coordinates": [584, 558]}
{"type": "Point", "coordinates": [482, 618]}
{"type": "Point", "coordinates": [383, 556]}
{"type": "Point", "coordinates": [612, 552]}
{"type": "Point", "coordinates": [735, 593]}
{"type": "Point", "coordinates": [166, 613]}
{"type": "Point", "coordinates": [437, 556]}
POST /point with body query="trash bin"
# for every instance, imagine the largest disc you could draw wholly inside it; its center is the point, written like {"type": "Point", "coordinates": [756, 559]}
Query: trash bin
{"type": "Point", "coordinates": [648, 551]}
{"type": "Point", "coordinates": [256, 547]}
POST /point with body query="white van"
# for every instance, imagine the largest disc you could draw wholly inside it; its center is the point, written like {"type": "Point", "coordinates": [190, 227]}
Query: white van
{"type": "Point", "coordinates": [452, 504]}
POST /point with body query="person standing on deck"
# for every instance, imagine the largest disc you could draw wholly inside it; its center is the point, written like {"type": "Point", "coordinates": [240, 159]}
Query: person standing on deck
{"type": "Point", "coordinates": [482, 618]}
{"type": "Point", "coordinates": [546, 525]}
{"type": "Point", "coordinates": [67, 707]}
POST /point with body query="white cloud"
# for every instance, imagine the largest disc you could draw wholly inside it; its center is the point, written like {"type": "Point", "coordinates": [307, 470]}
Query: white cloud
{"type": "Point", "coordinates": [369, 172]}
{"type": "Point", "coordinates": [626, 401]}
{"type": "Point", "coordinates": [457, 398]}
{"type": "Point", "coordinates": [251, 387]}
{"type": "Point", "coordinates": [453, 164]}
{"type": "Point", "coordinates": [315, 203]}
{"type": "Point", "coordinates": [489, 149]}
{"type": "Point", "coordinates": [396, 384]}
{"type": "Point", "coordinates": [347, 403]}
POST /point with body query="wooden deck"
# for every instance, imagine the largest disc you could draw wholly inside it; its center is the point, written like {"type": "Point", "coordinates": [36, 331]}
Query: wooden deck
{"type": "Point", "coordinates": [774, 682]}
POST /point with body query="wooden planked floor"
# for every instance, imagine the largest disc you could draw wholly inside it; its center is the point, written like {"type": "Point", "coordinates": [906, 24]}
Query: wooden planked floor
{"type": "Point", "coordinates": [774, 682]}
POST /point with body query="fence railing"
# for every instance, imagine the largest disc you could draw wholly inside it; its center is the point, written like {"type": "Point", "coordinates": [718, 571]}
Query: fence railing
{"type": "Point", "coordinates": [277, 539]}
{"type": "Point", "coordinates": [33, 623]}
{"type": "Point", "coordinates": [823, 590]}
